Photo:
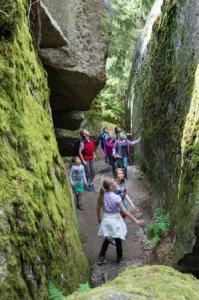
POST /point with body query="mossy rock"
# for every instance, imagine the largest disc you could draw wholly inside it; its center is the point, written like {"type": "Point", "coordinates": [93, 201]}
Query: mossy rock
{"type": "Point", "coordinates": [165, 102]}
{"type": "Point", "coordinates": [144, 283]}
{"type": "Point", "coordinates": [39, 240]}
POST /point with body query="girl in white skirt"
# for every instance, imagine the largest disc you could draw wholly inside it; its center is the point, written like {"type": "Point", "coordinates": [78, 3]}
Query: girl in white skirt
{"type": "Point", "coordinates": [112, 225]}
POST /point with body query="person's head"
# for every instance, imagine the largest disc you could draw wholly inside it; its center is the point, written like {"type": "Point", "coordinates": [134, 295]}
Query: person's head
{"type": "Point", "coordinates": [110, 136]}
{"type": "Point", "coordinates": [118, 129]}
{"type": "Point", "coordinates": [122, 135]}
{"type": "Point", "coordinates": [119, 175]}
{"type": "Point", "coordinates": [76, 160]}
{"type": "Point", "coordinates": [84, 133]}
{"type": "Point", "coordinates": [105, 130]}
{"type": "Point", "coordinates": [109, 184]}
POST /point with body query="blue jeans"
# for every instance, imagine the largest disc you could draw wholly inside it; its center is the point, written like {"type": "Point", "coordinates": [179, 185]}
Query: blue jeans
{"type": "Point", "coordinates": [123, 163]}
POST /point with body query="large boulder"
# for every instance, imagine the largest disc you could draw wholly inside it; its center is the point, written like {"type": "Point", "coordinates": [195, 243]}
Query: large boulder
{"type": "Point", "coordinates": [164, 99]}
{"type": "Point", "coordinates": [71, 120]}
{"type": "Point", "coordinates": [73, 53]}
{"type": "Point", "coordinates": [144, 283]}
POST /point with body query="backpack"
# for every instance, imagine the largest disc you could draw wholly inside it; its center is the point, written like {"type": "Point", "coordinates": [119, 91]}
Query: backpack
{"type": "Point", "coordinates": [77, 144]}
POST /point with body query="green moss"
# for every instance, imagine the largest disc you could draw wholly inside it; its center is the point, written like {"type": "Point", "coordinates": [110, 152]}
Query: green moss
{"type": "Point", "coordinates": [142, 283]}
{"type": "Point", "coordinates": [39, 240]}
{"type": "Point", "coordinates": [165, 110]}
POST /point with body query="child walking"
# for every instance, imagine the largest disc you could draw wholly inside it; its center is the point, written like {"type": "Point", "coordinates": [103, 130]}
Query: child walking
{"type": "Point", "coordinates": [78, 179]}
{"type": "Point", "coordinates": [112, 225]}
{"type": "Point", "coordinates": [122, 190]}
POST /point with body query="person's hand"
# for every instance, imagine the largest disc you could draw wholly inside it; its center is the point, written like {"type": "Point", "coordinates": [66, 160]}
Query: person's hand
{"type": "Point", "coordinates": [84, 163]}
{"type": "Point", "coordinates": [94, 156]}
{"type": "Point", "coordinates": [138, 222]}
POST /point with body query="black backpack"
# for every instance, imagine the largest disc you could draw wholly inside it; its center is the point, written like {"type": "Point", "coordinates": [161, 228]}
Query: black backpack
{"type": "Point", "coordinates": [77, 144]}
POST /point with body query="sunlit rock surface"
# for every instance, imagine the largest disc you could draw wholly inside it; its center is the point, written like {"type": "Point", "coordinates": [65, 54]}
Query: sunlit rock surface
{"type": "Point", "coordinates": [72, 50]}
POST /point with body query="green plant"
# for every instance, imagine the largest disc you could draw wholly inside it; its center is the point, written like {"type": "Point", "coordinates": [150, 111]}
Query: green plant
{"type": "Point", "coordinates": [54, 293]}
{"type": "Point", "coordinates": [121, 28]}
{"type": "Point", "coordinates": [158, 228]}
{"type": "Point", "coordinates": [84, 287]}
{"type": "Point", "coordinates": [140, 175]}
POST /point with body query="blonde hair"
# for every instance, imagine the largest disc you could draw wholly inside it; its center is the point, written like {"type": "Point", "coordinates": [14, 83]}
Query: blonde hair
{"type": "Point", "coordinates": [106, 188]}
{"type": "Point", "coordinates": [117, 172]}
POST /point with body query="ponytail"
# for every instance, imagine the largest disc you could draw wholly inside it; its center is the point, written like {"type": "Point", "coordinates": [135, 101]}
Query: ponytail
{"type": "Point", "coordinates": [101, 196]}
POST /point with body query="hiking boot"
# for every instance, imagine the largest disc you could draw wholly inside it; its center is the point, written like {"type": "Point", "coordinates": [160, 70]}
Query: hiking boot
{"type": "Point", "coordinates": [102, 261]}
{"type": "Point", "coordinates": [79, 207]}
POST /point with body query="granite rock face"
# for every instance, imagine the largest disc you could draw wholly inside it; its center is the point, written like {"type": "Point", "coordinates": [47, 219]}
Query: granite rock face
{"type": "Point", "coordinates": [164, 99]}
{"type": "Point", "coordinates": [72, 51]}
{"type": "Point", "coordinates": [39, 240]}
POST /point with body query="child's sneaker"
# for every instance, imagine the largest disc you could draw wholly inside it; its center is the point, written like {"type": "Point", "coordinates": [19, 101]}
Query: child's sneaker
{"type": "Point", "coordinates": [89, 188]}
{"type": "Point", "coordinates": [102, 261]}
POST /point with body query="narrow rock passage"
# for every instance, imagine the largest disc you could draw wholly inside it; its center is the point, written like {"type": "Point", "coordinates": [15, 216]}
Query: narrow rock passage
{"type": "Point", "coordinates": [136, 249]}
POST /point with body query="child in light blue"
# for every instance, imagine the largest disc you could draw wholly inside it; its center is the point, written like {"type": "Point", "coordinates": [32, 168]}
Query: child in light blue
{"type": "Point", "coordinates": [77, 178]}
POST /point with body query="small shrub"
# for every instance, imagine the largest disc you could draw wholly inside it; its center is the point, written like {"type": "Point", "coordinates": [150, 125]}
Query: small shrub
{"type": "Point", "coordinates": [158, 228]}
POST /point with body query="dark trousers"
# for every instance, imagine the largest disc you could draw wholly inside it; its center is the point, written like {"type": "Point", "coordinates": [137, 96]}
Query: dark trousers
{"type": "Point", "coordinates": [118, 243]}
{"type": "Point", "coordinates": [111, 163]}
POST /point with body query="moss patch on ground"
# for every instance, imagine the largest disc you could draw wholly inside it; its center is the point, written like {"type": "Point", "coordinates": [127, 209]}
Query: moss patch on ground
{"type": "Point", "coordinates": [39, 240]}
{"type": "Point", "coordinates": [142, 283]}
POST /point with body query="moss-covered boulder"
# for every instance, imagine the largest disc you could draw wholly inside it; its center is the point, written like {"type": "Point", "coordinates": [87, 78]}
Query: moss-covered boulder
{"type": "Point", "coordinates": [164, 96]}
{"type": "Point", "coordinates": [143, 283]}
{"type": "Point", "coordinates": [39, 241]}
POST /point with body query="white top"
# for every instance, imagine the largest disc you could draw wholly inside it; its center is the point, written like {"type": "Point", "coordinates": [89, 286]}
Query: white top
{"type": "Point", "coordinates": [77, 174]}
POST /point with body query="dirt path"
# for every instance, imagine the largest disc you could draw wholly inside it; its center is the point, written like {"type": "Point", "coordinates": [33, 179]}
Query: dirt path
{"type": "Point", "coordinates": [136, 249]}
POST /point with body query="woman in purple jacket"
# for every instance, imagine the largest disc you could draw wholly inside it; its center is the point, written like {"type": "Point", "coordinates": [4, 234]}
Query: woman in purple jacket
{"type": "Point", "coordinates": [108, 150]}
{"type": "Point", "coordinates": [121, 150]}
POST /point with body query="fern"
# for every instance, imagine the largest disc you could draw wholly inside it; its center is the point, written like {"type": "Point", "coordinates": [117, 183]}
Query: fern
{"type": "Point", "coordinates": [54, 293]}
{"type": "Point", "coordinates": [158, 228]}
{"type": "Point", "coordinates": [84, 287]}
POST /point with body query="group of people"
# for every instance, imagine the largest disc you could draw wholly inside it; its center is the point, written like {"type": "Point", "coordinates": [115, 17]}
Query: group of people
{"type": "Point", "coordinates": [113, 198]}
{"type": "Point", "coordinates": [116, 148]}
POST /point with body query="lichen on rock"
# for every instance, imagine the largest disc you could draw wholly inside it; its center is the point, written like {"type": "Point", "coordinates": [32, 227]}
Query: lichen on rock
{"type": "Point", "coordinates": [39, 239]}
